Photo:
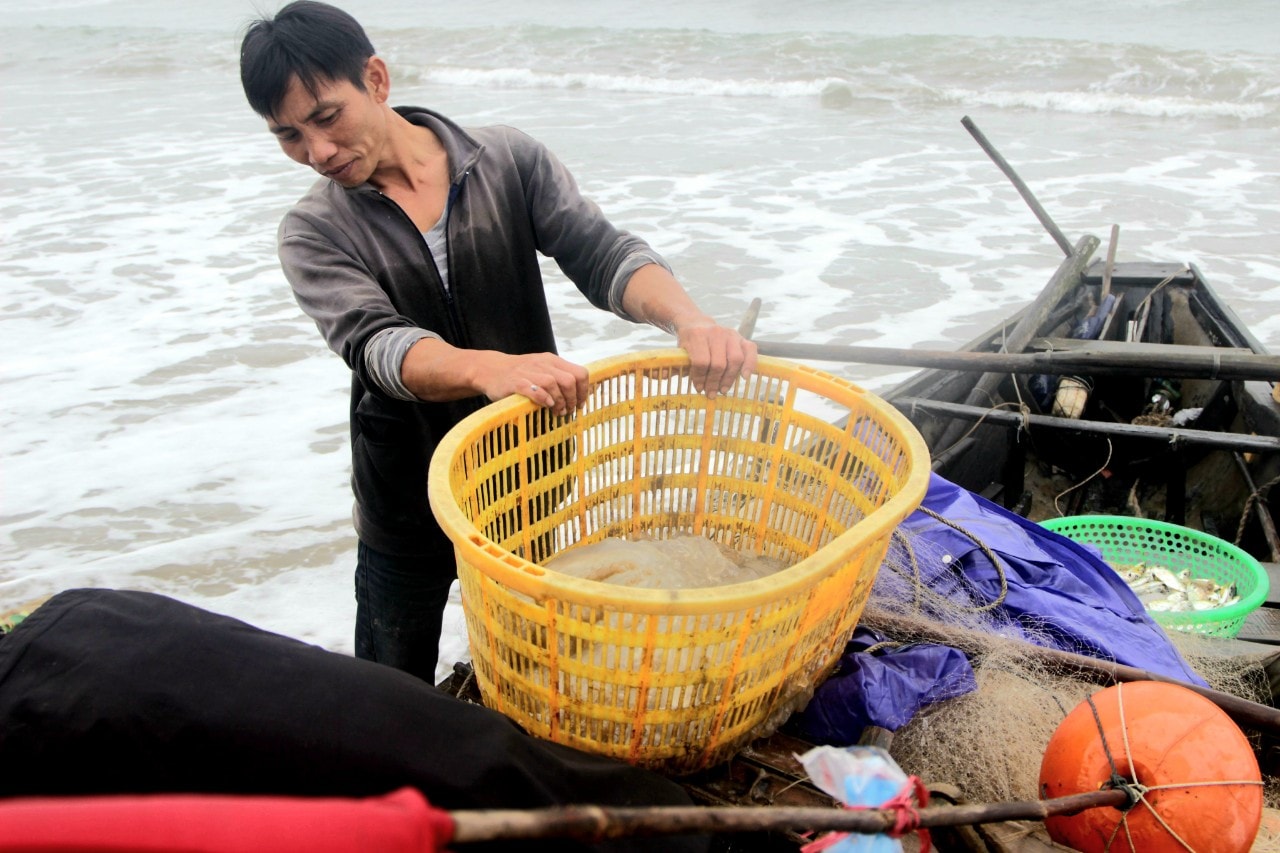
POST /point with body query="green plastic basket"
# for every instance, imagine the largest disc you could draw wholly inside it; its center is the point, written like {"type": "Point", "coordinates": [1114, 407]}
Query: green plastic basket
{"type": "Point", "coordinates": [1127, 541]}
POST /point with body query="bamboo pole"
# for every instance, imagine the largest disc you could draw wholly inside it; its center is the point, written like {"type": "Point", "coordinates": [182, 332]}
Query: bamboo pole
{"type": "Point", "coordinates": [1064, 280]}
{"type": "Point", "coordinates": [1247, 714]}
{"type": "Point", "coordinates": [1111, 261]}
{"type": "Point", "coordinates": [1182, 363]}
{"type": "Point", "coordinates": [593, 823]}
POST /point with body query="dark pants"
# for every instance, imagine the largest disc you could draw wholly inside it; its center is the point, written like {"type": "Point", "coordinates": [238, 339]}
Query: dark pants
{"type": "Point", "coordinates": [400, 608]}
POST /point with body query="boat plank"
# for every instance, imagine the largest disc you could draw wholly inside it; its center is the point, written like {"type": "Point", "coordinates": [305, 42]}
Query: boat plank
{"type": "Point", "coordinates": [1273, 575]}
{"type": "Point", "coordinates": [1262, 626]}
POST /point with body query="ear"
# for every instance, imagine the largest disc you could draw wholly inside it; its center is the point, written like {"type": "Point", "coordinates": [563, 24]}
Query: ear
{"type": "Point", "coordinates": [377, 80]}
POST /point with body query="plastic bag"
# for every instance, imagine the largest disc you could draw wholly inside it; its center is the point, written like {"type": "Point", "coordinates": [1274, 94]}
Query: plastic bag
{"type": "Point", "coordinates": [857, 776]}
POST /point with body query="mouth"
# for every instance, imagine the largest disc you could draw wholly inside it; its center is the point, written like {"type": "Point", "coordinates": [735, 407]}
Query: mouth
{"type": "Point", "coordinates": [341, 172]}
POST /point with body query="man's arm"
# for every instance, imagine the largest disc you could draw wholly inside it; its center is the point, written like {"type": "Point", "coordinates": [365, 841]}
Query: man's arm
{"type": "Point", "coordinates": [719, 355]}
{"type": "Point", "coordinates": [437, 371]}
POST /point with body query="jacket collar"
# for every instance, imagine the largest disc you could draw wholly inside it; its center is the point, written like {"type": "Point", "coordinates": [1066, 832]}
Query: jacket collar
{"type": "Point", "coordinates": [463, 151]}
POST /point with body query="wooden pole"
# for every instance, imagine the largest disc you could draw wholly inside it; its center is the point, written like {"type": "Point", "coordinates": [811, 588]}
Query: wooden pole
{"type": "Point", "coordinates": [747, 325]}
{"type": "Point", "coordinates": [1111, 261]}
{"type": "Point", "coordinates": [1182, 362]}
{"type": "Point", "coordinates": [593, 823]}
{"type": "Point", "coordinates": [1023, 191]}
{"type": "Point", "coordinates": [1248, 714]}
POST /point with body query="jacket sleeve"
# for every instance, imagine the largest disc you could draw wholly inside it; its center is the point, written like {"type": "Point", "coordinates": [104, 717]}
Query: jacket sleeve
{"type": "Point", "coordinates": [335, 288]}
{"type": "Point", "coordinates": [598, 257]}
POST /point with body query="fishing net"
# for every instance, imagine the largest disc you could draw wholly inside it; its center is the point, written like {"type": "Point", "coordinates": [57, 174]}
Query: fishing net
{"type": "Point", "coordinates": [989, 742]}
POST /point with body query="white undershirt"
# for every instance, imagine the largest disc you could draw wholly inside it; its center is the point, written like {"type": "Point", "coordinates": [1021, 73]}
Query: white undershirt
{"type": "Point", "coordinates": [384, 353]}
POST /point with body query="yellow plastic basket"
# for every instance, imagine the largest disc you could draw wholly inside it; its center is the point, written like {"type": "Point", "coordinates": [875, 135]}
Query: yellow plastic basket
{"type": "Point", "coordinates": [792, 464]}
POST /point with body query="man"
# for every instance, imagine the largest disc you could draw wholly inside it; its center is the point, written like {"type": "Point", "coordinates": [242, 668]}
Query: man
{"type": "Point", "coordinates": [417, 256]}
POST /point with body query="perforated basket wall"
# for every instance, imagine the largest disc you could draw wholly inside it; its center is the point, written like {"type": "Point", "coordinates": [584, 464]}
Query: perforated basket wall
{"type": "Point", "coordinates": [1125, 541]}
{"type": "Point", "coordinates": [676, 680]}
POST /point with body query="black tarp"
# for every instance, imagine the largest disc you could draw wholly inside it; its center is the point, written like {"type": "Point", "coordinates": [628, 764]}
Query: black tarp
{"type": "Point", "coordinates": [105, 691]}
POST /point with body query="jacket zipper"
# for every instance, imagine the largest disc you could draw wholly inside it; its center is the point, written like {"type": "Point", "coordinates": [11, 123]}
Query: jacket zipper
{"type": "Point", "coordinates": [455, 321]}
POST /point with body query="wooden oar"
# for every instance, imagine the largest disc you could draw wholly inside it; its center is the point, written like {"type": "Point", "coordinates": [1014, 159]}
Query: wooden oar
{"type": "Point", "coordinates": [1181, 362]}
{"type": "Point", "coordinates": [1045, 220]}
{"type": "Point", "coordinates": [591, 823]}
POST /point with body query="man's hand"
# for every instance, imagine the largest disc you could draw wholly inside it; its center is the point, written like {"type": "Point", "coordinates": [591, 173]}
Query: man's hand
{"type": "Point", "coordinates": [436, 371]}
{"type": "Point", "coordinates": [543, 377]}
{"type": "Point", "coordinates": [718, 356]}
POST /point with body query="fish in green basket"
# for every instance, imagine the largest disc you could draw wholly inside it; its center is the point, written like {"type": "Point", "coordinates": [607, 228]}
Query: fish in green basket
{"type": "Point", "coordinates": [1160, 589]}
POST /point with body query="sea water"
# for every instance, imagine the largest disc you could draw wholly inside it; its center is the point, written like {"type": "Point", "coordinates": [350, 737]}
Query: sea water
{"type": "Point", "coordinates": [172, 422]}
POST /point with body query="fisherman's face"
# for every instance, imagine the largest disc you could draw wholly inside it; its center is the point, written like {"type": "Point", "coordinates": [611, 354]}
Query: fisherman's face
{"type": "Point", "coordinates": [339, 130]}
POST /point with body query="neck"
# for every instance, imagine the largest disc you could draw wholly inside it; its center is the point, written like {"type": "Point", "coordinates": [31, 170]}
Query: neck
{"type": "Point", "coordinates": [413, 157]}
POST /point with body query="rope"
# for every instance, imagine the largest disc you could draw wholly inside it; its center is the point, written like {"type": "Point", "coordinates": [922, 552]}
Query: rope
{"type": "Point", "coordinates": [982, 546]}
{"type": "Point", "coordinates": [1083, 482]}
{"type": "Point", "coordinates": [905, 805]}
{"type": "Point", "coordinates": [1116, 780]}
{"type": "Point", "coordinates": [1022, 408]}
{"type": "Point", "coordinates": [887, 644]}
{"type": "Point", "coordinates": [916, 584]}
{"type": "Point", "coordinates": [1256, 497]}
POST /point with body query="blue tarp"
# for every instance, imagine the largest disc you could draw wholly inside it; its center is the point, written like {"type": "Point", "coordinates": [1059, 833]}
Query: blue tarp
{"type": "Point", "coordinates": [1059, 594]}
{"type": "Point", "coordinates": [884, 688]}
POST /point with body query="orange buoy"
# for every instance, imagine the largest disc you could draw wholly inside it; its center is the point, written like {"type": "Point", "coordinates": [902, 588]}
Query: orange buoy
{"type": "Point", "coordinates": [1190, 769]}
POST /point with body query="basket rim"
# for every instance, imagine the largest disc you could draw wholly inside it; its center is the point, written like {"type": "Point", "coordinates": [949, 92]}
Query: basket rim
{"type": "Point", "coordinates": [540, 582]}
{"type": "Point", "coordinates": [1228, 613]}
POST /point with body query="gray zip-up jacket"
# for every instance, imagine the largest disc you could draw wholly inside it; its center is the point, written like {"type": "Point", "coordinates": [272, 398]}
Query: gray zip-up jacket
{"type": "Point", "coordinates": [358, 265]}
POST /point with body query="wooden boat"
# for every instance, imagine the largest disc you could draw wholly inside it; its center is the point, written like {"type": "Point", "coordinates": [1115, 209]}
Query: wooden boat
{"type": "Point", "coordinates": [1163, 428]}
{"type": "Point", "coordinates": [1168, 409]}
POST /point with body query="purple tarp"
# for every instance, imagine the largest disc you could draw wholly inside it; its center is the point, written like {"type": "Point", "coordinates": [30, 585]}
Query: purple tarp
{"type": "Point", "coordinates": [1059, 593]}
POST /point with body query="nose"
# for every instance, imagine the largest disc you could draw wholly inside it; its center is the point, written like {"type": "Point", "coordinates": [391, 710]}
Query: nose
{"type": "Point", "coordinates": [320, 150]}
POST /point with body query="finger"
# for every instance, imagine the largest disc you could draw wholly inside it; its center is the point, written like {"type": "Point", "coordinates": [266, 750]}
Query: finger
{"type": "Point", "coordinates": [750, 354]}
{"type": "Point", "coordinates": [742, 362]}
{"type": "Point", "coordinates": [699, 362]}
{"type": "Point", "coordinates": [536, 393]}
{"type": "Point", "coordinates": [583, 381]}
{"type": "Point", "coordinates": [564, 393]}
{"type": "Point", "coordinates": [573, 386]}
{"type": "Point", "coordinates": [718, 372]}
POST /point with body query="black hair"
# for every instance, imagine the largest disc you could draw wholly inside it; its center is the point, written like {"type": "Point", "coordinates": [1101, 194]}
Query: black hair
{"type": "Point", "coordinates": [313, 41]}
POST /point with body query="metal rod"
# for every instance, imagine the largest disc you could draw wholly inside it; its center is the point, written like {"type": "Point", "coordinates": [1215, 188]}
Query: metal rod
{"type": "Point", "coordinates": [1167, 435]}
{"type": "Point", "coordinates": [1030, 199]}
